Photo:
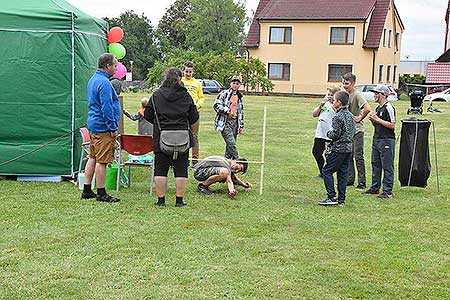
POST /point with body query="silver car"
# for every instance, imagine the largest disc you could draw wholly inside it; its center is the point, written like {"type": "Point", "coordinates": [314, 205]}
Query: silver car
{"type": "Point", "coordinates": [368, 95]}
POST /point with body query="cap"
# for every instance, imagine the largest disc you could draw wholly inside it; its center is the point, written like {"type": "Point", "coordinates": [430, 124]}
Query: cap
{"type": "Point", "coordinates": [236, 78]}
{"type": "Point", "coordinates": [382, 89]}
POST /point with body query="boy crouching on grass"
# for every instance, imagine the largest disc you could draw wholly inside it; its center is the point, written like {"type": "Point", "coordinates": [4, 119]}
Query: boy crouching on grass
{"type": "Point", "coordinates": [340, 150]}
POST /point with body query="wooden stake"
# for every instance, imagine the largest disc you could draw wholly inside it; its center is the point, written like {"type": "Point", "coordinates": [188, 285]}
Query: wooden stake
{"type": "Point", "coordinates": [261, 179]}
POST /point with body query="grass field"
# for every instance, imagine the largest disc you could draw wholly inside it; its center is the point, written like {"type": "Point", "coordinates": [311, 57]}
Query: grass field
{"type": "Point", "coordinates": [280, 245]}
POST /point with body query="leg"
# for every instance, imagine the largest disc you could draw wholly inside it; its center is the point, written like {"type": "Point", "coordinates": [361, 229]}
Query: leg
{"type": "Point", "coordinates": [376, 166]}
{"type": "Point", "coordinates": [342, 175]}
{"type": "Point", "coordinates": [180, 184]}
{"type": "Point", "coordinates": [223, 174]}
{"type": "Point", "coordinates": [162, 164]}
{"type": "Point", "coordinates": [180, 170]}
{"type": "Point", "coordinates": [351, 169]}
{"type": "Point", "coordinates": [196, 148]}
{"type": "Point", "coordinates": [358, 141]}
{"type": "Point", "coordinates": [89, 171]}
{"type": "Point", "coordinates": [230, 142]}
{"type": "Point", "coordinates": [100, 175]}
{"type": "Point", "coordinates": [387, 163]}
{"type": "Point", "coordinates": [328, 169]}
{"type": "Point", "coordinates": [317, 151]}
{"type": "Point", "coordinates": [160, 185]}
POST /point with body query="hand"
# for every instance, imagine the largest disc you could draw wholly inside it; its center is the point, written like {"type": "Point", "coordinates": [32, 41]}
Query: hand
{"type": "Point", "coordinates": [125, 111]}
{"type": "Point", "coordinates": [114, 134]}
{"type": "Point", "coordinates": [358, 119]}
{"type": "Point", "coordinates": [374, 118]}
{"type": "Point", "coordinates": [232, 115]}
{"type": "Point", "coordinates": [232, 193]}
{"type": "Point", "coordinates": [249, 186]}
{"type": "Point", "coordinates": [322, 104]}
{"type": "Point", "coordinates": [241, 130]}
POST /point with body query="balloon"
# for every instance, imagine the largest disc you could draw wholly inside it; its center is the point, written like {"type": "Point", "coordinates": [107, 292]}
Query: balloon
{"type": "Point", "coordinates": [118, 50]}
{"type": "Point", "coordinates": [121, 71]}
{"type": "Point", "coordinates": [115, 35]}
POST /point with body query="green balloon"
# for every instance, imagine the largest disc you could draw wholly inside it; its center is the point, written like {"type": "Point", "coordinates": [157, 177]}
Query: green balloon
{"type": "Point", "coordinates": [118, 50]}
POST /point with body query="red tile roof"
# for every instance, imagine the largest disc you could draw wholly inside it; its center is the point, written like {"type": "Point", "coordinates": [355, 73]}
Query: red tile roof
{"type": "Point", "coordinates": [323, 10]}
{"type": "Point", "coordinates": [438, 73]}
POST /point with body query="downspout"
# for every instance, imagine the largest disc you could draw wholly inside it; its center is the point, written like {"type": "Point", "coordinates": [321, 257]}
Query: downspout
{"type": "Point", "coordinates": [373, 66]}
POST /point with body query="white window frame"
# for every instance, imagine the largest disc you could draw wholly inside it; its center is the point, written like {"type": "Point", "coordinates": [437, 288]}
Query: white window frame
{"type": "Point", "coordinates": [277, 62]}
{"type": "Point", "coordinates": [341, 25]}
{"type": "Point", "coordinates": [278, 26]}
{"type": "Point", "coordinates": [337, 63]}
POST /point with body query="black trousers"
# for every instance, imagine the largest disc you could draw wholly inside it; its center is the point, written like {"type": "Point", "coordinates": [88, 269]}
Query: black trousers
{"type": "Point", "coordinates": [317, 151]}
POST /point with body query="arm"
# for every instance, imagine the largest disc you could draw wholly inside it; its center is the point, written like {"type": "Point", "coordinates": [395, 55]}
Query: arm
{"type": "Point", "coordinates": [130, 116]}
{"type": "Point", "coordinates": [106, 101]}
{"type": "Point", "coordinates": [316, 111]}
{"type": "Point", "coordinates": [200, 96]}
{"type": "Point", "coordinates": [219, 104]}
{"type": "Point", "coordinates": [388, 124]}
{"type": "Point", "coordinates": [364, 113]}
{"type": "Point", "coordinates": [241, 116]}
{"type": "Point", "coordinates": [238, 181]}
{"type": "Point", "coordinates": [231, 190]}
{"type": "Point", "coordinates": [336, 132]}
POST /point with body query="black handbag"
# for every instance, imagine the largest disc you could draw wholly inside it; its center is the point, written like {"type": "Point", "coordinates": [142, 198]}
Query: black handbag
{"type": "Point", "coordinates": [172, 142]}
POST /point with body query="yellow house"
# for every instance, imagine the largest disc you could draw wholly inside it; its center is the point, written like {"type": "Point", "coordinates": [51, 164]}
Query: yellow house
{"type": "Point", "coordinates": [308, 45]}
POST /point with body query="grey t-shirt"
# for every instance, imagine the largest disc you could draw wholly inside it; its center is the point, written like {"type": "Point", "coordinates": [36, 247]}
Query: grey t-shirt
{"type": "Point", "coordinates": [214, 161]}
{"type": "Point", "coordinates": [356, 103]}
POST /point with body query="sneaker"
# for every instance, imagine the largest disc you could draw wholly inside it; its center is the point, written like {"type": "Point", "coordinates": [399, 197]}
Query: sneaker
{"type": "Point", "coordinates": [201, 188]}
{"type": "Point", "coordinates": [180, 204]}
{"type": "Point", "coordinates": [107, 198]}
{"type": "Point", "coordinates": [328, 201]}
{"type": "Point", "coordinates": [160, 203]}
{"type": "Point", "coordinates": [88, 195]}
{"type": "Point", "coordinates": [371, 192]}
{"type": "Point", "coordinates": [350, 183]}
{"type": "Point", "coordinates": [385, 195]}
{"type": "Point", "coordinates": [361, 187]}
{"type": "Point", "coordinates": [341, 204]}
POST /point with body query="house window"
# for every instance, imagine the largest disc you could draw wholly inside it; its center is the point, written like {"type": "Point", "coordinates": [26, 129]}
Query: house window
{"type": "Point", "coordinates": [342, 36]}
{"type": "Point", "coordinates": [390, 39]}
{"type": "Point", "coordinates": [397, 40]}
{"type": "Point", "coordinates": [380, 73]}
{"type": "Point", "coordinates": [394, 75]}
{"type": "Point", "coordinates": [335, 72]}
{"type": "Point", "coordinates": [388, 73]}
{"type": "Point", "coordinates": [280, 35]}
{"type": "Point", "coordinates": [384, 37]}
{"type": "Point", "coordinates": [280, 71]}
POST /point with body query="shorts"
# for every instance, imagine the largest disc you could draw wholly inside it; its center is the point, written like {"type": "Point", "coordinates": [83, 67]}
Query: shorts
{"type": "Point", "coordinates": [163, 162]}
{"type": "Point", "coordinates": [102, 147]}
{"type": "Point", "coordinates": [202, 174]}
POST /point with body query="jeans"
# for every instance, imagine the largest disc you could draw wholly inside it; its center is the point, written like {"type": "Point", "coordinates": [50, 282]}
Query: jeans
{"type": "Point", "coordinates": [229, 134]}
{"type": "Point", "coordinates": [383, 160]}
{"type": "Point", "coordinates": [336, 162]}
{"type": "Point", "coordinates": [358, 157]}
{"type": "Point", "coordinates": [317, 151]}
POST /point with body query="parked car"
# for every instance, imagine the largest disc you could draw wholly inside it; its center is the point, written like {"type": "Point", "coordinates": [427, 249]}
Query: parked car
{"type": "Point", "coordinates": [210, 86]}
{"type": "Point", "coordinates": [368, 95]}
{"type": "Point", "coordinates": [440, 96]}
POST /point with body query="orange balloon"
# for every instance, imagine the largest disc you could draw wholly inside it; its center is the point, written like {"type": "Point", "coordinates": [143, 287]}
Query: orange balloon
{"type": "Point", "coordinates": [115, 35]}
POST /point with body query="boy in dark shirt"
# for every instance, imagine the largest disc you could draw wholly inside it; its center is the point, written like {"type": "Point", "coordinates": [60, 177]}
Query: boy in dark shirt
{"type": "Point", "coordinates": [340, 151]}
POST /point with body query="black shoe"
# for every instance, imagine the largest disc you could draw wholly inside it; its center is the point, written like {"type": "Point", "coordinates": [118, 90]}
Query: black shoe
{"type": "Point", "coordinates": [107, 198]}
{"type": "Point", "coordinates": [385, 195]}
{"type": "Point", "coordinates": [371, 192]}
{"type": "Point", "coordinates": [88, 195]}
{"type": "Point", "coordinates": [350, 183]}
{"type": "Point", "coordinates": [194, 162]}
{"type": "Point", "coordinates": [160, 203]}
{"type": "Point", "coordinates": [201, 188]}
{"type": "Point", "coordinates": [180, 204]}
{"type": "Point", "coordinates": [361, 187]}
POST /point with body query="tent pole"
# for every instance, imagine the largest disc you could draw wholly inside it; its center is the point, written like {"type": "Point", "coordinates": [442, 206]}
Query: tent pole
{"type": "Point", "coordinates": [73, 96]}
{"type": "Point", "coordinates": [261, 179]}
{"type": "Point", "coordinates": [435, 156]}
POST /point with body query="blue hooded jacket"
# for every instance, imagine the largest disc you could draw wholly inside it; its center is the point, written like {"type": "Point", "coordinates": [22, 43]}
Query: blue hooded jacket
{"type": "Point", "coordinates": [104, 106]}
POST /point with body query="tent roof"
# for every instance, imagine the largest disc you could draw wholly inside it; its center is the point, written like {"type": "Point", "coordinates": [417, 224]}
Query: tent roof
{"type": "Point", "coordinates": [47, 15]}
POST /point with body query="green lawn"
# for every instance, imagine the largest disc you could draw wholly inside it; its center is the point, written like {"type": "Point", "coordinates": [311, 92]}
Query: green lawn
{"type": "Point", "coordinates": [280, 245]}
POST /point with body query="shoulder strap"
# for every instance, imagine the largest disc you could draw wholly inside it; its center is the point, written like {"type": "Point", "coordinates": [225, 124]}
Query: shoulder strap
{"type": "Point", "coordinates": [156, 114]}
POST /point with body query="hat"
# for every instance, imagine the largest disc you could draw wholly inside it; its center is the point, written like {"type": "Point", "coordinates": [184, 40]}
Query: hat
{"type": "Point", "coordinates": [236, 78]}
{"type": "Point", "coordinates": [382, 89]}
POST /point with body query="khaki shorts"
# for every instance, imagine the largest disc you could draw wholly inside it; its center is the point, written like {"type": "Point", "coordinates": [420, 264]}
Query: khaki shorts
{"type": "Point", "coordinates": [102, 147]}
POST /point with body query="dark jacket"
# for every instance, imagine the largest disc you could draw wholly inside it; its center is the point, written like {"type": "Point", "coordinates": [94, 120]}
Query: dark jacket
{"type": "Point", "coordinates": [343, 131]}
{"type": "Point", "coordinates": [176, 111]}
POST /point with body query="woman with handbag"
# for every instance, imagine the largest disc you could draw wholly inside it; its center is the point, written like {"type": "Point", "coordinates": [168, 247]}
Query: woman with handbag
{"type": "Point", "coordinates": [172, 112]}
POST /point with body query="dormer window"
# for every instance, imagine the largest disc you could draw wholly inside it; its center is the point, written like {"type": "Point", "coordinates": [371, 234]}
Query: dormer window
{"type": "Point", "coordinates": [342, 35]}
{"type": "Point", "coordinates": [280, 35]}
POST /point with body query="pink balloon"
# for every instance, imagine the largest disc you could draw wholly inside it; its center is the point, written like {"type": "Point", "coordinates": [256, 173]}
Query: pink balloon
{"type": "Point", "coordinates": [121, 71]}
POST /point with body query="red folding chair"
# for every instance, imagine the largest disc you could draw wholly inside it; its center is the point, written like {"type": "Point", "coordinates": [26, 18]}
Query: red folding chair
{"type": "Point", "coordinates": [84, 156]}
{"type": "Point", "coordinates": [135, 145]}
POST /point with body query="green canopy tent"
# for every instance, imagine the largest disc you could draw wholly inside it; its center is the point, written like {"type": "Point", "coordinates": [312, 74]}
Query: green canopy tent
{"type": "Point", "coordinates": [48, 51]}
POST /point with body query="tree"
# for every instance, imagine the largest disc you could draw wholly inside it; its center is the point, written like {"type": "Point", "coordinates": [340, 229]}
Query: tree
{"type": "Point", "coordinates": [172, 28]}
{"type": "Point", "coordinates": [139, 41]}
{"type": "Point", "coordinates": [254, 75]}
{"type": "Point", "coordinates": [215, 25]}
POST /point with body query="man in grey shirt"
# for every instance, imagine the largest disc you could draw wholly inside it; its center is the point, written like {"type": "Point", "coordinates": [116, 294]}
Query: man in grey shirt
{"type": "Point", "coordinates": [359, 107]}
{"type": "Point", "coordinates": [219, 169]}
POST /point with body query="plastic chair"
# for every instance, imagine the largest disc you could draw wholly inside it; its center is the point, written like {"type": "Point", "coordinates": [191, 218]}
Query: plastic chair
{"type": "Point", "coordinates": [84, 156]}
{"type": "Point", "coordinates": [135, 145]}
